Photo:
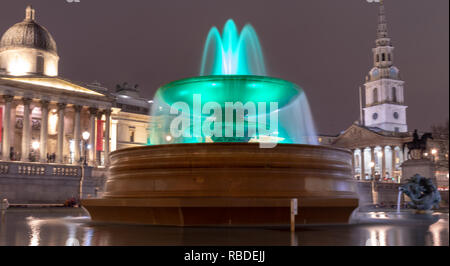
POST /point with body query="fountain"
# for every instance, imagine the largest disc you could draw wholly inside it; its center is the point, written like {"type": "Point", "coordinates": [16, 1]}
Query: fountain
{"type": "Point", "coordinates": [230, 147]}
{"type": "Point", "coordinates": [423, 195]}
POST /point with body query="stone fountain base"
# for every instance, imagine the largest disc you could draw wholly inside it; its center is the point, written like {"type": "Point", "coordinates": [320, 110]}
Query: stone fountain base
{"type": "Point", "coordinates": [227, 184]}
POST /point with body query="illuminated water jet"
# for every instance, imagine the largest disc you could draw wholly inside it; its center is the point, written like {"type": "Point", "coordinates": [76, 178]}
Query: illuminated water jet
{"type": "Point", "coordinates": [233, 53]}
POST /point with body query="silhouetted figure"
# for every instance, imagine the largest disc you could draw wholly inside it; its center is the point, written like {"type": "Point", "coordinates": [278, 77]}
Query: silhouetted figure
{"type": "Point", "coordinates": [415, 136]}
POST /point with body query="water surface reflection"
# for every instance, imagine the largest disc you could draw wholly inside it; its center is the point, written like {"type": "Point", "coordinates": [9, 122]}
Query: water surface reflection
{"type": "Point", "coordinates": [56, 227]}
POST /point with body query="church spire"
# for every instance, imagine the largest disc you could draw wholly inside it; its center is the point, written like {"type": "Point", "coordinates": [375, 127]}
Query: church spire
{"type": "Point", "coordinates": [382, 30]}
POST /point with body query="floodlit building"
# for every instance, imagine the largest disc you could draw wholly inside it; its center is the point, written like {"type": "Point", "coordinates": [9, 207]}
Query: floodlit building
{"type": "Point", "coordinates": [51, 126]}
{"type": "Point", "coordinates": [377, 139]}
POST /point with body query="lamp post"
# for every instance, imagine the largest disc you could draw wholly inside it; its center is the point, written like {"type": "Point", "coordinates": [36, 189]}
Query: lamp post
{"type": "Point", "coordinates": [434, 153]}
{"type": "Point", "coordinates": [372, 166]}
{"type": "Point", "coordinates": [86, 136]}
{"type": "Point", "coordinates": [35, 146]}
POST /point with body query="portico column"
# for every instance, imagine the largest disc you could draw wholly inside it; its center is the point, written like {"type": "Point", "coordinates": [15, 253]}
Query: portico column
{"type": "Point", "coordinates": [92, 114]}
{"type": "Point", "coordinates": [353, 163]}
{"type": "Point", "coordinates": [7, 127]}
{"type": "Point", "coordinates": [363, 164]}
{"type": "Point", "coordinates": [60, 150]}
{"type": "Point", "coordinates": [26, 130]}
{"type": "Point", "coordinates": [77, 133]}
{"type": "Point", "coordinates": [44, 131]}
{"type": "Point", "coordinates": [99, 153]}
{"type": "Point", "coordinates": [372, 159]}
{"type": "Point", "coordinates": [107, 136]}
{"type": "Point", "coordinates": [383, 162]}
{"type": "Point", "coordinates": [393, 161]}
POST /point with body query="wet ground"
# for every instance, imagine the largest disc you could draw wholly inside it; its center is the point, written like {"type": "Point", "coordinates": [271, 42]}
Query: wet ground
{"type": "Point", "coordinates": [59, 227]}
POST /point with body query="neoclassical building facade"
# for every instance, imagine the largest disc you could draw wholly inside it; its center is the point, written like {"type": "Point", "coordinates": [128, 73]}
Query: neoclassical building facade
{"type": "Point", "coordinates": [44, 116]}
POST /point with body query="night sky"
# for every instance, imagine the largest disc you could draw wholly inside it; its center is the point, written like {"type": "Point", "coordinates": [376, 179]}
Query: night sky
{"type": "Point", "coordinates": [322, 45]}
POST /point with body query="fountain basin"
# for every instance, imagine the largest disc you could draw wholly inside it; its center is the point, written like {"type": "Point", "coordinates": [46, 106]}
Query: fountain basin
{"type": "Point", "coordinates": [264, 108]}
{"type": "Point", "coordinates": [201, 184]}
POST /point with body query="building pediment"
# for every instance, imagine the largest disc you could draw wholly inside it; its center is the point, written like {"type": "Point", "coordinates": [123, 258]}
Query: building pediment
{"type": "Point", "coordinates": [357, 136]}
{"type": "Point", "coordinates": [51, 82]}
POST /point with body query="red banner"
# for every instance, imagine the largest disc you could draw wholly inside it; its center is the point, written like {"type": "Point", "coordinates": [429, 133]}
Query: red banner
{"type": "Point", "coordinates": [100, 135]}
{"type": "Point", "coordinates": [1, 123]}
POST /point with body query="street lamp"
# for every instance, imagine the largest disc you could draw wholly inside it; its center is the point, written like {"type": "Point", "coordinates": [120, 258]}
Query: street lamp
{"type": "Point", "coordinates": [434, 153]}
{"type": "Point", "coordinates": [86, 136]}
{"type": "Point", "coordinates": [35, 146]}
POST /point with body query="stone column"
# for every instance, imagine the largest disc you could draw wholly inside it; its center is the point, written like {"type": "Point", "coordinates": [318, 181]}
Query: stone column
{"type": "Point", "coordinates": [372, 159]}
{"type": "Point", "coordinates": [99, 153]}
{"type": "Point", "coordinates": [393, 160]}
{"type": "Point", "coordinates": [353, 163]}
{"type": "Point", "coordinates": [383, 162]}
{"type": "Point", "coordinates": [77, 133]}
{"type": "Point", "coordinates": [26, 129]}
{"type": "Point", "coordinates": [107, 136]}
{"type": "Point", "coordinates": [44, 131]}
{"type": "Point", "coordinates": [92, 114]}
{"type": "Point", "coordinates": [363, 164]}
{"type": "Point", "coordinates": [7, 127]}
{"type": "Point", "coordinates": [60, 149]}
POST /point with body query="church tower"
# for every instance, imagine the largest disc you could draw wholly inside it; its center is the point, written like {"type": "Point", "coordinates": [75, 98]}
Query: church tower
{"type": "Point", "coordinates": [384, 105]}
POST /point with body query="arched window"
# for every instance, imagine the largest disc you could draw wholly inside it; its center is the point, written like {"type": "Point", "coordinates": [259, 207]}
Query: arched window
{"type": "Point", "coordinates": [383, 57]}
{"type": "Point", "coordinates": [378, 58]}
{"type": "Point", "coordinates": [394, 94]}
{"type": "Point", "coordinates": [375, 95]}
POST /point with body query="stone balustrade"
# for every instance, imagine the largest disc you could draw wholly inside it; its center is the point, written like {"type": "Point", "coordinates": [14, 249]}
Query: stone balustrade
{"type": "Point", "coordinates": [36, 169]}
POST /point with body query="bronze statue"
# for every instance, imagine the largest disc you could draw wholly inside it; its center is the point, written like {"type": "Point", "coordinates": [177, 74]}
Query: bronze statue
{"type": "Point", "coordinates": [423, 193]}
{"type": "Point", "coordinates": [417, 144]}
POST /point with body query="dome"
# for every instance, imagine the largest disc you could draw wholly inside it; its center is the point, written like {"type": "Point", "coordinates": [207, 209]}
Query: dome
{"type": "Point", "coordinates": [28, 34]}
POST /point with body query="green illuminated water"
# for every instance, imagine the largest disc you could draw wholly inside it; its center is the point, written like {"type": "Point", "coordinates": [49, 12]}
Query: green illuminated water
{"type": "Point", "coordinates": [295, 124]}
{"type": "Point", "coordinates": [233, 53]}
{"type": "Point", "coordinates": [232, 100]}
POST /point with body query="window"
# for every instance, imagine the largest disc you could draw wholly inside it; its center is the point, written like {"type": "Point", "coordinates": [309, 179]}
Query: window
{"type": "Point", "coordinates": [131, 136]}
{"type": "Point", "coordinates": [394, 94]}
{"type": "Point", "coordinates": [383, 57]}
{"type": "Point", "coordinates": [375, 95]}
{"type": "Point", "coordinates": [378, 58]}
{"type": "Point", "coordinates": [132, 133]}
{"type": "Point", "coordinates": [40, 64]}
{"type": "Point", "coordinates": [389, 57]}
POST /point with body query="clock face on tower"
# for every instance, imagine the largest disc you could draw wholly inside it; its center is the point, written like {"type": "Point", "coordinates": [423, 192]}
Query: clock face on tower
{"type": "Point", "coordinates": [396, 115]}
{"type": "Point", "coordinates": [375, 116]}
